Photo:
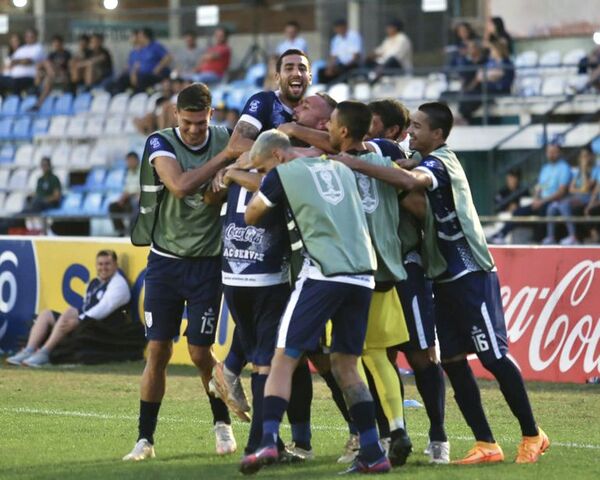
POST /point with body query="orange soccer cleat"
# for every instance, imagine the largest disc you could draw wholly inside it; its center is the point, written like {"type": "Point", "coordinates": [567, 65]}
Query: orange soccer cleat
{"type": "Point", "coordinates": [531, 448]}
{"type": "Point", "coordinates": [482, 452]}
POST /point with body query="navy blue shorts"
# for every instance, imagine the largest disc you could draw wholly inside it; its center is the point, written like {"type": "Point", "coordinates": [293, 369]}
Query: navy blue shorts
{"type": "Point", "coordinates": [170, 285]}
{"type": "Point", "coordinates": [416, 298]}
{"type": "Point", "coordinates": [469, 317]}
{"type": "Point", "coordinates": [312, 303]}
{"type": "Point", "coordinates": [256, 312]}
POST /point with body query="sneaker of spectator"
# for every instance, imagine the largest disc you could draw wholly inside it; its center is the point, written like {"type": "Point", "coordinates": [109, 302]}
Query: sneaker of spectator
{"type": "Point", "coordinates": [344, 54]}
{"type": "Point", "coordinates": [186, 57]}
{"type": "Point", "coordinates": [395, 51]}
{"type": "Point", "coordinates": [214, 62]}
{"type": "Point", "coordinates": [293, 40]}
{"type": "Point", "coordinates": [54, 71]}
{"type": "Point", "coordinates": [23, 65]}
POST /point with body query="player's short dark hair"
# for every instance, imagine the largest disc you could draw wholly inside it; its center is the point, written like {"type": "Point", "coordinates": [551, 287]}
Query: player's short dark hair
{"type": "Point", "coordinates": [194, 98]}
{"type": "Point", "coordinates": [439, 116]}
{"type": "Point", "coordinates": [107, 253]}
{"type": "Point", "coordinates": [57, 38]}
{"type": "Point", "coordinates": [328, 100]}
{"type": "Point", "coordinates": [356, 117]}
{"type": "Point", "coordinates": [397, 24]}
{"type": "Point", "coordinates": [84, 37]}
{"type": "Point", "coordinates": [340, 22]}
{"type": "Point", "coordinates": [133, 153]}
{"type": "Point", "coordinates": [288, 52]}
{"type": "Point", "coordinates": [46, 159]}
{"type": "Point", "coordinates": [147, 32]}
{"type": "Point", "coordinates": [392, 112]}
{"type": "Point", "coordinates": [292, 23]}
{"type": "Point", "coordinates": [99, 36]}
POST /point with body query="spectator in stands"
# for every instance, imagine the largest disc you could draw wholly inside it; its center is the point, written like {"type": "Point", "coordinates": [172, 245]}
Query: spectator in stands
{"type": "Point", "coordinates": [580, 193]}
{"type": "Point", "coordinates": [463, 34]}
{"type": "Point", "coordinates": [128, 201]}
{"type": "Point", "coordinates": [344, 54]}
{"type": "Point", "coordinates": [105, 297]}
{"type": "Point", "coordinates": [163, 115]}
{"type": "Point", "coordinates": [98, 67]}
{"type": "Point", "coordinates": [591, 64]}
{"type": "Point", "coordinates": [214, 63]}
{"type": "Point", "coordinates": [54, 71]}
{"type": "Point", "coordinates": [470, 64]}
{"type": "Point", "coordinates": [496, 32]}
{"type": "Point", "coordinates": [292, 39]}
{"type": "Point", "coordinates": [186, 57]}
{"type": "Point", "coordinates": [553, 185]}
{"type": "Point", "coordinates": [508, 198]}
{"type": "Point", "coordinates": [148, 64]}
{"type": "Point", "coordinates": [47, 192]}
{"type": "Point", "coordinates": [593, 207]}
{"type": "Point", "coordinates": [77, 62]}
{"type": "Point", "coordinates": [23, 65]}
{"type": "Point", "coordinates": [14, 42]}
{"type": "Point", "coordinates": [394, 52]}
{"type": "Point", "coordinates": [496, 78]}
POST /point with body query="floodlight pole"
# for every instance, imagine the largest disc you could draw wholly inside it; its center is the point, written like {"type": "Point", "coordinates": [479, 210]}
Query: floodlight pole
{"type": "Point", "coordinates": [39, 13]}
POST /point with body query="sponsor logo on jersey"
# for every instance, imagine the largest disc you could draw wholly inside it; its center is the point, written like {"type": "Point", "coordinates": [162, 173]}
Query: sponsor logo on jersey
{"type": "Point", "coordinates": [155, 142]}
{"type": "Point", "coordinates": [253, 107]}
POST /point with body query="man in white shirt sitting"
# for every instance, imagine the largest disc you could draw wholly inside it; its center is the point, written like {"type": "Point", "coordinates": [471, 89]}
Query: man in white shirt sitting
{"type": "Point", "coordinates": [395, 51]}
{"type": "Point", "coordinates": [292, 39]}
{"type": "Point", "coordinates": [345, 52]}
{"type": "Point", "coordinates": [105, 297]}
{"type": "Point", "coordinates": [23, 65]}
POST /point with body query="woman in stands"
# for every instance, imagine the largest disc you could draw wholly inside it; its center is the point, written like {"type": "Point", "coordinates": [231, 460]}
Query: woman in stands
{"type": "Point", "coordinates": [14, 42]}
{"type": "Point", "coordinates": [496, 32]}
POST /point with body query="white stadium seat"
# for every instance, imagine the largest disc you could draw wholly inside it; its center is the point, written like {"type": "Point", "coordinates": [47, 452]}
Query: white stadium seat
{"type": "Point", "coordinates": [14, 203]}
{"type": "Point", "coordinates": [32, 181]}
{"type": "Point", "coordinates": [151, 102]}
{"type": "Point", "coordinates": [551, 58]}
{"type": "Point", "coordinates": [114, 125]}
{"type": "Point", "coordinates": [100, 103]}
{"type": "Point", "coordinates": [80, 157]}
{"type": "Point", "coordinates": [362, 92]}
{"type": "Point", "coordinates": [94, 127]}
{"type": "Point", "coordinates": [61, 155]}
{"type": "Point", "coordinates": [58, 126]}
{"type": "Point", "coordinates": [314, 88]}
{"type": "Point", "coordinates": [44, 150]}
{"type": "Point", "coordinates": [572, 57]}
{"type": "Point", "coordinates": [526, 59]}
{"type": "Point", "coordinates": [414, 90]}
{"type": "Point", "coordinates": [553, 85]}
{"type": "Point", "coordinates": [2, 199]}
{"type": "Point", "coordinates": [340, 92]}
{"type": "Point", "coordinates": [119, 103]}
{"type": "Point", "coordinates": [18, 179]}
{"type": "Point", "coordinates": [76, 127]}
{"type": "Point", "coordinates": [63, 176]}
{"type": "Point", "coordinates": [99, 156]}
{"type": "Point", "coordinates": [137, 105]}
{"type": "Point", "coordinates": [4, 175]}
{"type": "Point", "coordinates": [25, 156]}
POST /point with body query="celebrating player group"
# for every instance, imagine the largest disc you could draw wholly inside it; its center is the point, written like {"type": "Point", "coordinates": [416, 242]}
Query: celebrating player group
{"type": "Point", "coordinates": [340, 233]}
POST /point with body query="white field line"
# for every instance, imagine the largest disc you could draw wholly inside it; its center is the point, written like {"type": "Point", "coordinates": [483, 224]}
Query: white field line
{"type": "Point", "coordinates": [171, 419]}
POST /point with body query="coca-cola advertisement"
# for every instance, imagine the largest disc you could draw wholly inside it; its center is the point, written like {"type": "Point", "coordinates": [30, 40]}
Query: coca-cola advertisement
{"type": "Point", "coordinates": [551, 299]}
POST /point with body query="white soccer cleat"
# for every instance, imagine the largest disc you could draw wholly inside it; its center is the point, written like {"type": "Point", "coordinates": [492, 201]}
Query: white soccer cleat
{"type": "Point", "coordinates": [439, 452]}
{"type": "Point", "coordinates": [224, 439]}
{"type": "Point", "coordinates": [143, 449]}
{"type": "Point", "coordinates": [350, 450]}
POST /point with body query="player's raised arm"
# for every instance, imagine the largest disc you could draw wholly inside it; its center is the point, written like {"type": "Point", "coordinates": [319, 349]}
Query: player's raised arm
{"type": "Point", "coordinates": [242, 138]}
{"type": "Point", "coordinates": [310, 136]}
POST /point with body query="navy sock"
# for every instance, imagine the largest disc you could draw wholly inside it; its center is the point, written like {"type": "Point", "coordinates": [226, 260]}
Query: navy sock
{"type": "Point", "coordinates": [338, 398]}
{"type": "Point", "coordinates": [273, 410]}
{"type": "Point", "coordinates": [219, 410]}
{"type": "Point", "coordinates": [363, 414]}
{"type": "Point", "coordinates": [430, 383]}
{"type": "Point", "coordinates": [513, 388]}
{"type": "Point", "coordinates": [468, 398]}
{"type": "Point", "coordinates": [235, 359]}
{"type": "Point", "coordinates": [298, 410]}
{"type": "Point", "coordinates": [147, 420]}
{"type": "Point", "coordinates": [382, 422]}
{"type": "Point", "coordinates": [257, 383]}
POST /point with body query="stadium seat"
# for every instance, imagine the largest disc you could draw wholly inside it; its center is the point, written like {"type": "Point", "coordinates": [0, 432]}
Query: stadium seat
{"type": "Point", "coordinates": [315, 87]}
{"type": "Point", "coordinates": [7, 153]}
{"type": "Point", "coordinates": [10, 106]}
{"type": "Point", "coordinates": [115, 179]}
{"type": "Point", "coordinates": [94, 127]}
{"type": "Point", "coordinates": [6, 125]}
{"type": "Point", "coordinates": [47, 107]}
{"type": "Point", "coordinates": [76, 127]}
{"type": "Point", "coordinates": [235, 99]}
{"type": "Point", "coordinates": [573, 57]}
{"type": "Point", "coordinates": [100, 103]}
{"type": "Point", "coordinates": [63, 176]}
{"type": "Point", "coordinates": [2, 199]}
{"type": "Point", "coordinates": [63, 104]}
{"type": "Point", "coordinates": [32, 181]}
{"type": "Point", "coordinates": [137, 105]}
{"type": "Point", "coordinates": [71, 205]}
{"type": "Point", "coordinates": [340, 92]}
{"type": "Point", "coordinates": [61, 155]}
{"type": "Point", "coordinates": [82, 103]}
{"type": "Point", "coordinates": [25, 156]}
{"type": "Point", "coordinates": [14, 202]}
{"type": "Point", "coordinates": [27, 103]}
{"type": "Point", "coordinates": [362, 92]}
{"type": "Point", "coordinates": [114, 125]}
{"type": "Point", "coordinates": [4, 176]}
{"type": "Point", "coordinates": [44, 150]}
{"type": "Point", "coordinates": [119, 103]}
{"type": "Point", "coordinates": [550, 59]}
{"type": "Point", "coordinates": [528, 86]}
{"type": "Point", "coordinates": [18, 179]}
{"type": "Point", "coordinates": [151, 102]}
{"type": "Point", "coordinates": [553, 86]}
{"type": "Point", "coordinates": [526, 60]}
{"type": "Point", "coordinates": [98, 156]}
{"type": "Point", "coordinates": [129, 126]}
{"type": "Point", "coordinates": [80, 157]}
{"type": "Point", "coordinates": [94, 182]}
{"type": "Point", "coordinates": [58, 126]}
{"type": "Point", "coordinates": [108, 199]}
{"type": "Point", "coordinates": [255, 75]}
{"type": "Point", "coordinates": [22, 128]}
{"type": "Point", "coordinates": [219, 94]}
{"type": "Point", "coordinates": [40, 126]}
{"type": "Point", "coordinates": [436, 85]}
{"type": "Point", "coordinates": [414, 89]}
{"type": "Point", "coordinates": [92, 204]}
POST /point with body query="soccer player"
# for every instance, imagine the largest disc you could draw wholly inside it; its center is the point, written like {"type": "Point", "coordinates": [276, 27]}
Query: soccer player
{"type": "Point", "coordinates": [336, 282]}
{"type": "Point", "coordinates": [468, 308]}
{"type": "Point", "coordinates": [184, 267]}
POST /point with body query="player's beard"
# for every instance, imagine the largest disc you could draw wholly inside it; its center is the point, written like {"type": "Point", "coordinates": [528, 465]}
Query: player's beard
{"type": "Point", "coordinates": [295, 94]}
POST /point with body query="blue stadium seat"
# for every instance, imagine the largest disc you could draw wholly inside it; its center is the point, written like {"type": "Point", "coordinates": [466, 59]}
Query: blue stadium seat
{"type": "Point", "coordinates": [63, 104]}
{"type": "Point", "coordinates": [315, 67]}
{"type": "Point", "coordinates": [6, 128]}
{"type": "Point", "coordinates": [92, 205]}
{"type": "Point", "coordinates": [82, 103]}
{"type": "Point", "coordinates": [27, 103]}
{"type": "Point", "coordinates": [10, 105]}
{"type": "Point", "coordinates": [47, 107]}
{"type": "Point", "coordinates": [7, 153]}
{"type": "Point", "coordinates": [256, 74]}
{"type": "Point", "coordinates": [115, 179]}
{"type": "Point", "coordinates": [22, 128]}
{"type": "Point", "coordinates": [108, 199]}
{"type": "Point", "coordinates": [40, 126]}
{"type": "Point", "coordinates": [71, 205]}
{"type": "Point", "coordinates": [94, 182]}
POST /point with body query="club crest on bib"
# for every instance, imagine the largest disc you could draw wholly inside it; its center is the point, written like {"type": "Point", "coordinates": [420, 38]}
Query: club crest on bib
{"type": "Point", "coordinates": [328, 183]}
{"type": "Point", "coordinates": [367, 188]}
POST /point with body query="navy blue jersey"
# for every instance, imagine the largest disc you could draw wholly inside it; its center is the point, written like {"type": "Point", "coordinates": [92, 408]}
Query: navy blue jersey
{"type": "Point", "coordinates": [451, 240]}
{"type": "Point", "coordinates": [388, 148]}
{"type": "Point", "coordinates": [102, 299]}
{"type": "Point", "coordinates": [257, 255]}
{"type": "Point", "coordinates": [265, 111]}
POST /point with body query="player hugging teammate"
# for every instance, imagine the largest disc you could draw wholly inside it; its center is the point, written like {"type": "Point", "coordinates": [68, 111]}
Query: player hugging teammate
{"type": "Point", "coordinates": [328, 220]}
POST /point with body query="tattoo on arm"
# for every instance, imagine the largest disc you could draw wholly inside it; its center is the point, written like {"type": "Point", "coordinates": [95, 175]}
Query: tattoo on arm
{"type": "Point", "coordinates": [356, 393]}
{"type": "Point", "coordinates": [246, 130]}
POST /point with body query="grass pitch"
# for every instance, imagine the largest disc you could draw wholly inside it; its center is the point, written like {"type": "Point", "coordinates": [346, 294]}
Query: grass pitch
{"type": "Point", "coordinates": [76, 423]}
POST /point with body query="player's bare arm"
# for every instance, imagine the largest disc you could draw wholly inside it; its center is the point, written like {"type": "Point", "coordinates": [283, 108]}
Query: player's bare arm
{"type": "Point", "coordinates": [256, 210]}
{"type": "Point", "coordinates": [242, 139]}
{"type": "Point", "coordinates": [398, 177]}
{"type": "Point", "coordinates": [311, 136]}
{"type": "Point", "coordinates": [182, 183]}
{"type": "Point", "coordinates": [415, 203]}
{"type": "Point", "coordinates": [249, 180]}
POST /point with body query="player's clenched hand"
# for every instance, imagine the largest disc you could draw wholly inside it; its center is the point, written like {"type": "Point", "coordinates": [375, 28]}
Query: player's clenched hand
{"type": "Point", "coordinates": [217, 183]}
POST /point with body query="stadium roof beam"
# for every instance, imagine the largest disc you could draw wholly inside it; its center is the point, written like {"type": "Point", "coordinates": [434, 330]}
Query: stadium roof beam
{"type": "Point", "coordinates": [174, 19]}
{"type": "Point", "coordinates": [39, 12]}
